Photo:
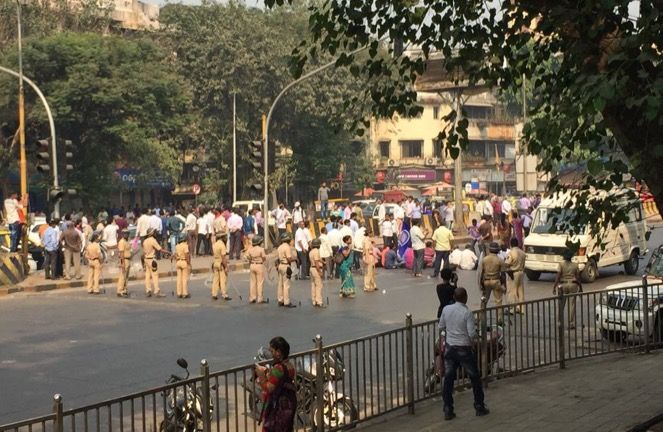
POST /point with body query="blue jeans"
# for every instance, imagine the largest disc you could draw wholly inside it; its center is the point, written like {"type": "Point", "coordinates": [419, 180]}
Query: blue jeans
{"type": "Point", "coordinates": [323, 209]}
{"type": "Point", "coordinates": [14, 236]}
{"type": "Point", "coordinates": [455, 357]}
{"type": "Point", "coordinates": [439, 257]}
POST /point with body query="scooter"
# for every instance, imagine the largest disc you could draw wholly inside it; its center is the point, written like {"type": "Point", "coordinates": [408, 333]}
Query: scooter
{"type": "Point", "coordinates": [496, 350]}
{"type": "Point", "coordinates": [184, 405]}
{"type": "Point", "coordinates": [339, 410]}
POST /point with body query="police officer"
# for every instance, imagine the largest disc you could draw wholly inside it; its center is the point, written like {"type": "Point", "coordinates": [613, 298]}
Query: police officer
{"type": "Point", "coordinates": [124, 253]}
{"type": "Point", "coordinates": [183, 266]}
{"type": "Point", "coordinates": [515, 282]}
{"type": "Point", "coordinates": [93, 255]}
{"type": "Point", "coordinates": [220, 266]}
{"type": "Point", "coordinates": [491, 268]}
{"type": "Point", "coordinates": [284, 259]}
{"type": "Point", "coordinates": [150, 248]}
{"type": "Point", "coordinates": [316, 273]}
{"type": "Point", "coordinates": [257, 257]}
{"type": "Point", "coordinates": [568, 281]}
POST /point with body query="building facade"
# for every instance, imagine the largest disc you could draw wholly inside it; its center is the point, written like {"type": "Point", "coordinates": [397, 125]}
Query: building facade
{"type": "Point", "coordinates": [407, 151]}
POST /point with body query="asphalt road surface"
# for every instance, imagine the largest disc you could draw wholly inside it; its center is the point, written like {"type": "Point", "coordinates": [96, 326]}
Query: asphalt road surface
{"type": "Point", "coordinates": [90, 348]}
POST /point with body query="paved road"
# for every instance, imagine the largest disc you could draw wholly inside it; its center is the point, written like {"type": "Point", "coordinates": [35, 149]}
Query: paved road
{"type": "Point", "coordinates": [92, 347]}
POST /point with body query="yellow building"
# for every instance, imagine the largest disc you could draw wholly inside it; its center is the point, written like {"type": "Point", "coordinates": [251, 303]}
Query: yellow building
{"type": "Point", "coordinates": [407, 150]}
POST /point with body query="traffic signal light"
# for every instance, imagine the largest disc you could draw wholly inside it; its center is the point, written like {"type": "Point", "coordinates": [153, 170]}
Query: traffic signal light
{"type": "Point", "coordinates": [55, 194]}
{"type": "Point", "coordinates": [68, 155]}
{"type": "Point", "coordinates": [256, 162]}
{"type": "Point", "coordinates": [43, 156]}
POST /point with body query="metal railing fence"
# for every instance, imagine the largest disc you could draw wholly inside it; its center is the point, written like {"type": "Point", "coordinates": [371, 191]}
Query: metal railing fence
{"type": "Point", "coordinates": [346, 383]}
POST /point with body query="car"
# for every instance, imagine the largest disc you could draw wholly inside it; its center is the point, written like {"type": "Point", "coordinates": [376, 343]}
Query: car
{"type": "Point", "coordinates": [620, 313]}
{"type": "Point", "coordinates": [389, 209]}
{"type": "Point", "coordinates": [548, 237]}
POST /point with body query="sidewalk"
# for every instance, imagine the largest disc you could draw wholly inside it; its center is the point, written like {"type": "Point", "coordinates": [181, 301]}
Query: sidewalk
{"type": "Point", "coordinates": [608, 393]}
{"type": "Point", "coordinates": [35, 282]}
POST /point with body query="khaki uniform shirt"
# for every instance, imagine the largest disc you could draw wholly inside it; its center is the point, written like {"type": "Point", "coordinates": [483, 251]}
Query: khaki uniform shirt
{"type": "Point", "coordinates": [491, 266]}
{"type": "Point", "coordinates": [314, 257]}
{"type": "Point", "coordinates": [93, 251]}
{"type": "Point", "coordinates": [220, 225]}
{"type": "Point", "coordinates": [124, 249]}
{"type": "Point", "coordinates": [150, 246]}
{"type": "Point", "coordinates": [284, 253]}
{"type": "Point", "coordinates": [181, 251]}
{"type": "Point", "coordinates": [219, 250]}
{"type": "Point", "coordinates": [256, 255]}
{"type": "Point", "coordinates": [568, 271]}
{"type": "Point", "coordinates": [515, 259]}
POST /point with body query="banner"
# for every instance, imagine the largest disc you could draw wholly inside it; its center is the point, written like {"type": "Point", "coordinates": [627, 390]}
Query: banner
{"type": "Point", "coordinates": [404, 240]}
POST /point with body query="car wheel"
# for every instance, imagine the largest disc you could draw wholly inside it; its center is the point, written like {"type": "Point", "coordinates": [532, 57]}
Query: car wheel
{"type": "Point", "coordinates": [631, 266]}
{"type": "Point", "coordinates": [590, 272]}
{"type": "Point", "coordinates": [533, 275]}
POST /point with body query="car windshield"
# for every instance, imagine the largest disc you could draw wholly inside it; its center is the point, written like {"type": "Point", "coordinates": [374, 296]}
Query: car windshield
{"type": "Point", "coordinates": [554, 221]}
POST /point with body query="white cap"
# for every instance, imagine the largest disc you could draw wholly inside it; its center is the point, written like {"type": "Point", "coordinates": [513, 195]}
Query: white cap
{"type": "Point", "coordinates": [297, 204]}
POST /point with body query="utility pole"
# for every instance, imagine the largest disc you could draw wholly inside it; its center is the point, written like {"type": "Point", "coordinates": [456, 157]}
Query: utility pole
{"type": "Point", "coordinates": [523, 151]}
{"type": "Point", "coordinates": [234, 149]}
{"type": "Point", "coordinates": [458, 171]}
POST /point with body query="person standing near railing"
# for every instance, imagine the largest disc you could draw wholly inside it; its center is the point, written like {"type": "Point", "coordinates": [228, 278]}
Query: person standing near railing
{"type": "Point", "coordinates": [568, 281]}
{"type": "Point", "coordinates": [457, 322]}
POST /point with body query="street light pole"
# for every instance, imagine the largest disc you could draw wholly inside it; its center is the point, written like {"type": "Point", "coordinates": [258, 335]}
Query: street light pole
{"type": "Point", "coordinates": [23, 167]}
{"type": "Point", "coordinates": [234, 149]}
{"type": "Point", "coordinates": [266, 131]}
{"type": "Point", "coordinates": [51, 123]}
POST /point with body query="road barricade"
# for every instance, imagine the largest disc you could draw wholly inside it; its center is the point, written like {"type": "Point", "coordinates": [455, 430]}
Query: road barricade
{"type": "Point", "coordinates": [11, 270]}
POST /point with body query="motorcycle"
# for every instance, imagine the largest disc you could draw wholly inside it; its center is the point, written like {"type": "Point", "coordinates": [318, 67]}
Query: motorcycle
{"type": "Point", "coordinates": [339, 410]}
{"type": "Point", "coordinates": [496, 350]}
{"type": "Point", "coordinates": [184, 405]}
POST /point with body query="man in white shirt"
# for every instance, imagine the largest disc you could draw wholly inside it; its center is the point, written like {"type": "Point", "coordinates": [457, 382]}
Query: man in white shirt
{"type": "Point", "coordinates": [354, 226]}
{"type": "Point", "coordinates": [190, 228]}
{"type": "Point", "coordinates": [387, 227]}
{"type": "Point", "coordinates": [298, 214]}
{"type": "Point", "coordinates": [382, 211]}
{"type": "Point", "coordinates": [454, 256]}
{"type": "Point", "coordinates": [302, 239]}
{"type": "Point", "coordinates": [358, 246]}
{"type": "Point", "coordinates": [418, 246]}
{"type": "Point", "coordinates": [143, 224]}
{"type": "Point", "coordinates": [203, 229]}
{"type": "Point", "coordinates": [506, 207]}
{"type": "Point", "coordinates": [235, 224]}
{"type": "Point", "coordinates": [12, 206]}
{"type": "Point", "coordinates": [109, 236]}
{"type": "Point", "coordinates": [399, 216]}
{"type": "Point", "coordinates": [449, 215]}
{"type": "Point", "coordinates": [326, 253]}
{"type": "Point", "coordinates": [468, 259]}
{"type": "Point", "coordinates": [281, 216]}
{"type": "Point", "coordinates": [346, 230]}
{"type": "Point", "coordinates": [347, 212]}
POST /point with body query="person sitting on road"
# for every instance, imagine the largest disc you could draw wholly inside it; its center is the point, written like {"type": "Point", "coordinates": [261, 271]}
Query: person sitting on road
{"type": "Point", "coordinates": [468, 259]}
{"type": "Point", "coordinates": [454, 256]}
{"type": "Point", "coordinates": [392, 260]}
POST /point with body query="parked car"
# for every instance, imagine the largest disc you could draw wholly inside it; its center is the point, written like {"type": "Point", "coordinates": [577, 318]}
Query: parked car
{"type": "Point", "coordinates": [389, 209]}
{"type": "Point", "coordinates": [547, 240]}
{"type": "Point", "coordinates": [620, 315]}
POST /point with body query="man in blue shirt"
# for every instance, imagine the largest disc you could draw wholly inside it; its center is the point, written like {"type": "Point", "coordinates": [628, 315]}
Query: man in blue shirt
{"type": "Point", "coordinates": [458, 323]}
{"type": "Point", "coordinates": [51, 243]}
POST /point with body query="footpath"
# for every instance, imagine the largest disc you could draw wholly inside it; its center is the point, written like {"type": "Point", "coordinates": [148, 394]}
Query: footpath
{"type": "Point", "coordinates": [35, 282]}
{"type": "Point", "coordinates": [614, 392]}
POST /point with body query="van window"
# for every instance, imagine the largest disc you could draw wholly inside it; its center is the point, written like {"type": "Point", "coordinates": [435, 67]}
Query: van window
{"type": "Point", "coordinates": [554, 221]}
{"type": "Point", "coordinates": [635, 215]}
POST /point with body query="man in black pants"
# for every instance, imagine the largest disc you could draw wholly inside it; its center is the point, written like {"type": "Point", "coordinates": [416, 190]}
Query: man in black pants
{"type": "Point", "coordinates": [461, 333]}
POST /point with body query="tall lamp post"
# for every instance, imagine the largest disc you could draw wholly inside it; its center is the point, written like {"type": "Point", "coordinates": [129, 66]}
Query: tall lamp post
{"type": "Point", "coordinates": [266, 133]}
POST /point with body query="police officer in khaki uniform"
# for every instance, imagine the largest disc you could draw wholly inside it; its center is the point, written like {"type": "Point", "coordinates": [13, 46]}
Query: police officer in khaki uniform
{"type": "Point", "coordinates": [150, 248]}
{"type": "Point", "coordinates": [369, 260]}
{"type": "Point", "coordinates": [256, 256]}
{"type": "Point", "coordinates": [183, 266]}
{"type": "Point", "coordinates": [316, 273]}
{"type": "Point", "coordinates": [220, 266]}
{"type": "Point", "coordinates": [515, 282]}
{"type": "Point", "coordinates": [93, 255]}
{"type": "Point", "coordinates": [284, 259]}
{"type": "Point", "coordinates": [568, 281]}
{"type": "Point", "coordinates": [491, 268]}
{"type": "Point", "coordinates": [124, 253]}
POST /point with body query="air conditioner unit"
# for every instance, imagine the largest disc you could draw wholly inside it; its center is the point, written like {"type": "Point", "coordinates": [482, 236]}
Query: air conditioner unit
{"type": "Point", "coordinates": [431, 161]}
{"type": "Point", "coordinates": [393, 163]}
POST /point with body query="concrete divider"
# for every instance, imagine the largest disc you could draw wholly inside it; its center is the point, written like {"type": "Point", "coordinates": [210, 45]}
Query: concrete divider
{"type": "Point", "coordinates": [11, 270]}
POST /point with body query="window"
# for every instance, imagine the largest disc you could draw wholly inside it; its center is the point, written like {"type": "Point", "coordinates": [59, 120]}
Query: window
{"type": "Point", "coordinates": [384, 148]}
{"type": "Point", "coordinates": [436, 112]}
{"type": "Point", "coordinates": [411, 149]}
{"type": "Point", "coordinates": [492, 146]}
{"type": "Point", "coordinates": [476, 148]}
{"type": "Point", "coordinates": [478, 112]}
{"type": "Point", "coordinates": [437, 147]}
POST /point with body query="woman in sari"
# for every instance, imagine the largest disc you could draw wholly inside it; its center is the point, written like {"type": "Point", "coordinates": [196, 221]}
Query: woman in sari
{"type": "Point", "coordinates": [517, 223]}
{"type": "Point", "coordinates": [278, 389]}
{"type": "Point", "coordinates": [347, 282]}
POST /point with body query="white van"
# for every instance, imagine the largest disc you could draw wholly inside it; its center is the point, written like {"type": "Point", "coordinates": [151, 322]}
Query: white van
{"type": "Point", "coordinates": [545, 243]}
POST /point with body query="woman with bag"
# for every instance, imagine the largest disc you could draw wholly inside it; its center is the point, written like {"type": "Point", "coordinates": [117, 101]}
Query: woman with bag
{"type": "Point", "coordinates": [345, 268]}
{"type": "Point", "coordinates": [278, 389]}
